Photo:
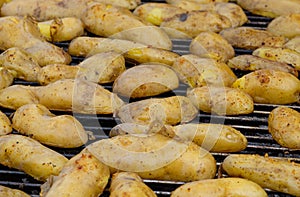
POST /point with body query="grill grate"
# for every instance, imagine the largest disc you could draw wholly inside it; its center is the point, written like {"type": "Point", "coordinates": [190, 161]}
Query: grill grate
{"type": "Point", "coordinates": [253, 126]}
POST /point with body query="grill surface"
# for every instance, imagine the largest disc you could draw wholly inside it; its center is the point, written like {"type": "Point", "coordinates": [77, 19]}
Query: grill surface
{"type": "Point", "coordinates": [253, 126]}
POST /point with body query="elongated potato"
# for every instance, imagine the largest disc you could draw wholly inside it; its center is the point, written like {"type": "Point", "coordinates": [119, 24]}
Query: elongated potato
{"type": "Point", "coordinates": [5, 124]}
{"type": "Point", "coordinates": [220, 187]}
{"type": "Point", "coordinates": [287, 25]}
{"type": "Point", "coordinates": [37, 122]}
{"type": "Point", "coordinates": [293, 44]}
{"type": "Point", "coordinates": [196, 71]}
{"type": "Point", "coordinates": [276, 174]}
{"type": "Point", "coordinates": [82, 176]}
{"type": "Point", "coordinates": [153, 79]}
{"type": "Point", "coordinates": [6, 78]}
{"type": "Point", "coordinates": [124, 183]}
{"type": "Point", "coordinates": [155, 157]}
{"type": "Point", "coordinates": [171, 110]}
{"type": "Point", "coordinates": [270, 86]}
{"type": "Point", "coordinates": [252, 63]}
{"type": "Point", "coordinates": [9, 192]}
{"type": "Point", "coordinates": [28, 155]}
{"type": "Point", "coordinates": [250, 38]}
{"type": "Point", "coordinates": [197, 1]}
{"type": "Point", "coordinates": [284, 125]}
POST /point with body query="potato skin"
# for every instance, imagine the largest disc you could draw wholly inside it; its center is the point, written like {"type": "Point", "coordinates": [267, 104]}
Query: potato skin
{"type": "Point", "coordinates": [5, 124]}
{"type": "Point", "coordinates": [276, 174]}
{"type": "Point", "coordinates": [284, 125]}
{"type": "Point", "coordinates": [9, 192]}
{"type": "Point", "coordinates": [220, 187]}
{"type": "Point", "coordinates": [287, 26]}
{"type": "Point", "coordinates": [293, 44]}
{"type": "Point", "coordinates": [270, 86]}
{"type": "Point", "coordinates": [28, 155]}
{"type": "Point", "coordinates": [6, 78]}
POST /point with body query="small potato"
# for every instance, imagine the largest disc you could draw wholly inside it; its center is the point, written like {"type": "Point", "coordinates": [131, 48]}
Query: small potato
{"type": "Point", "coordinates": [153, 79]}
{"type": "Point", "coordinates": [124, 183]}
{"type": "Point", "coordinates": [220, 187]}
{"type": "Point", "coordinates": [37, 122]}
{"type": "Point", "coordinates": [221, 100]}
{"type": "Point", "coordinates": [287, 26]}
{"type": "Point", "coordinates": [293, 44]}
{"type": "Point", "coordinates": [276, 174]}
{"type": "Point", "coordinates": [6, 78]}
{"type": "Point", "coordinates": [5, 124]}
{"type": "Point", "coordinates": [9, 192]}
{"type": "Point", "coordinates": [28, 155]}
{"type": "Point", "coordinates": [82, 176]}
{"type": "Point", "coordinates": [171, 110]}
{"type": "Point", "coordinates": [250, 38]}
{"type": "Point", "coordinates": [155, 157]}
{"type": "Point", "coordinates": [284, 125]}
{"type": "Point", "coordinates": [270, 86]}
{"type": "Point", "coordinates": [197, 72]}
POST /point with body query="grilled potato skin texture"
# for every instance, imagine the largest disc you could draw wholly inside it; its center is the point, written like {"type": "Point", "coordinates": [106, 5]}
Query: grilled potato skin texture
{"type": "Point", "coordinates": [8, 192]}
{"type": "Point", "coordinates": [287, 26]}
{"type": "Point", "coordinates": [5, 124]}
{"type": "Point", "coordinates": [293, 44]}
{"type": "Point", "coordinates": [6, 78]}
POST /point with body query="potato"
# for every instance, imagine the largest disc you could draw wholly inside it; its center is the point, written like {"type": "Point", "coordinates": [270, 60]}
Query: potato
{"type": "Point", "coordinates": [37, 122]}
{"type": "Point", "coordinates": [61, 29]}
{"type": "Point", "coordinates": [82, 176]}
{"type": "Point", "coordinates": [284, 125]}
{"type": "Point", "coordinates": [250, 38]}
{"type": "Point", "coordinates": [28, 155]}
{"type": "Point", "coordinates": [220, 187]}
{"type": "Point", "coordinates": [221, 100]}
{"type": "Point", "coordinates": [279, 54]}
{"type": "Point", "coordinates": [115, 22]}
{"type": "Point", "coordinates": [276, 174]}
{"type": "Point", "coordinates": [171, 110]}
{"type": "Point", "coordinates": [270, 8]}
{"type": "Point", "coordinates": [293, 44]}
{"type": "Point", "coordinates": [9, 192]}
{"type": "Point", "coordinates": [270, 86]}
{"type": "Point", "coordinates": [5, 124]}
{"type": "Point", "coordinates": [6, 78]}
{"type": "Point", "coordinates": [155, 157]}
{"type": "Point", "coordinates": [24, 33]}
{"type": "Point", "coordinates": [196, 71]}
{"type": "Point", "coordinates": [99, 68]}
{"type": "Point", "coordinates": [287, 25]}
{"type": "Point", "coordinates": [197, 1]}
{"type": "Point", "coordinates": [20, 63]}
{"type": "Point", "coordinates": [124, 183]}
{"type": "Point", "coordinates": [252, 63]}
{"type": "Point", "coordinates": [153, 79]}
{"type": "Point", "coordinates": [211, 45]}
{"type": "Point", "coordinates": [129, 4]}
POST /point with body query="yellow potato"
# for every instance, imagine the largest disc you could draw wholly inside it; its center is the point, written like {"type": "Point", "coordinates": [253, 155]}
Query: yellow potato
{"type": "Point", "coordinates": [9, 192]}
{"type": "Point", "coordinates": [82, 176]}
{"type": "Point", "coordinates": [129, 4]}
{"type": "Point", "coordinates": [276, 174]}
{"type": "Point", "coordinates": [37, 122]}
{"type": "Point", "coordinates": [197, 1]}
{"type": "Point", "coordinates": [124, 183]}
{"type": "Point", "coordinates": [28, 155]}
{"type": "Point", "coordinates": [6, 78]}
{"type": "Point", "coordinates": [270, 86]}
{"type": "Point", "coordinates": [153, 79]}
{"type": "Point", "coordinates": [284, 125]}
{"type": "Point", "coordinates": [293, 44]}
{"type": "Point", "coordinates": [5, 124]}
{"type": "Point", "coordinates": [155, 157]}
{"type": "Point", "coordinates": [220, 187]}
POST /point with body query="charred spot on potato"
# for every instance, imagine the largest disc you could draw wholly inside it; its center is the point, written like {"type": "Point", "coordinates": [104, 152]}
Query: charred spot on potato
{"type": "Point", "coordinates": [37, 12]}
{"type": "Point", "coordinates": [183, 17]}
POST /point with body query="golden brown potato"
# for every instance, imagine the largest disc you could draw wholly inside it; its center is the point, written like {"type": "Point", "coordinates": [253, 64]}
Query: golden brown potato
{"type": "Point", "coordinates": [9, 192]}
{"type": "Point", "coordinates": [250, 38]}
{"type": "Point", "coordinates": [5, 124]}
{"type": "Point", "coordinates": [82, 176]}
{"type": "Point", "coordinates": [153, 79]}
{"type": "Point", "coordinates": [284, 125]}
{"type": "Point", "coordinates": [276, 174]}
{"type": "Point", "coordinates": [293, 44]}
{"type": "Point", "coordinates": [220, 187]}
{"type": "Point", "coordinates": [143, 155]}
{"type": "Point", "coordinates": [37, 122]}
{"type": "Point", "coordinates": [129, 183]}
{"type": "Point", "coordinates": [287, 25]}
{"type": "Point", "coordinates": [252, 63]}
{"type": "Point", "coordinates": [196, 71]}
{"type": "Point", "coordinates": [221, 100]}
{"type": "Point", "coordinates": [270, 86]}
{"type": "Point", "coordinates": [211, 45]}
{"type": "Point", "coordinates": [6, 78]}
{"type": "Point", "coordinates": [171, 110]}
{"type": "Point", "coordinates": [28, 155]}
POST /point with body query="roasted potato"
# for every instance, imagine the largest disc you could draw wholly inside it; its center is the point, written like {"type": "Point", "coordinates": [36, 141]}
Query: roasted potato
{"type": "Point", "coordinates": [196, 71]}
{"type": "Point", "coordinates": [197, 1]}
{"type": "Point", "coordinates": [5, 124]}
{"type": "Point", "coordinates": [250, 38]}
{"type": "Point", "coordinates": [287, 25]}
{"type": "Point", "coordinates": [171, 110]}
{"type": "Point", "coordinates": [9, 192]}
{"type": "Point", "coordinates": [129, 183]}
{"type": "Point", "coordinates": [284, 125]}
{"type": "Point", "coordinates": [82, 176]}
{"type": "Point", "coordinates": [220, 187]}
{"type": "Point", "coordinates": [129, 4]}
{"type": "Point", "coordinates": [153, 79]}
{"type": "Point", "coordinates": [211, 45]}
{"type": "Point", "coordinates": [276, 174]}
{"type": "Point", "coordinates": [6, 78]}
{"type": "Point", "coordinates": [28, 155]}
{"type": "Point", "coordinates": [252, 63]}
{"type": "Point", "coordinates": [221, 100]}
{"type": "Point", "coordinates": [293, 44]}
{"type": "Point", "coordinates": [143, 155]}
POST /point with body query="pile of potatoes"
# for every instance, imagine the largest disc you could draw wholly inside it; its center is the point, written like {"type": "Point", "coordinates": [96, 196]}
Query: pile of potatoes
{"type": "Point", "coordinates": [127, 45]}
